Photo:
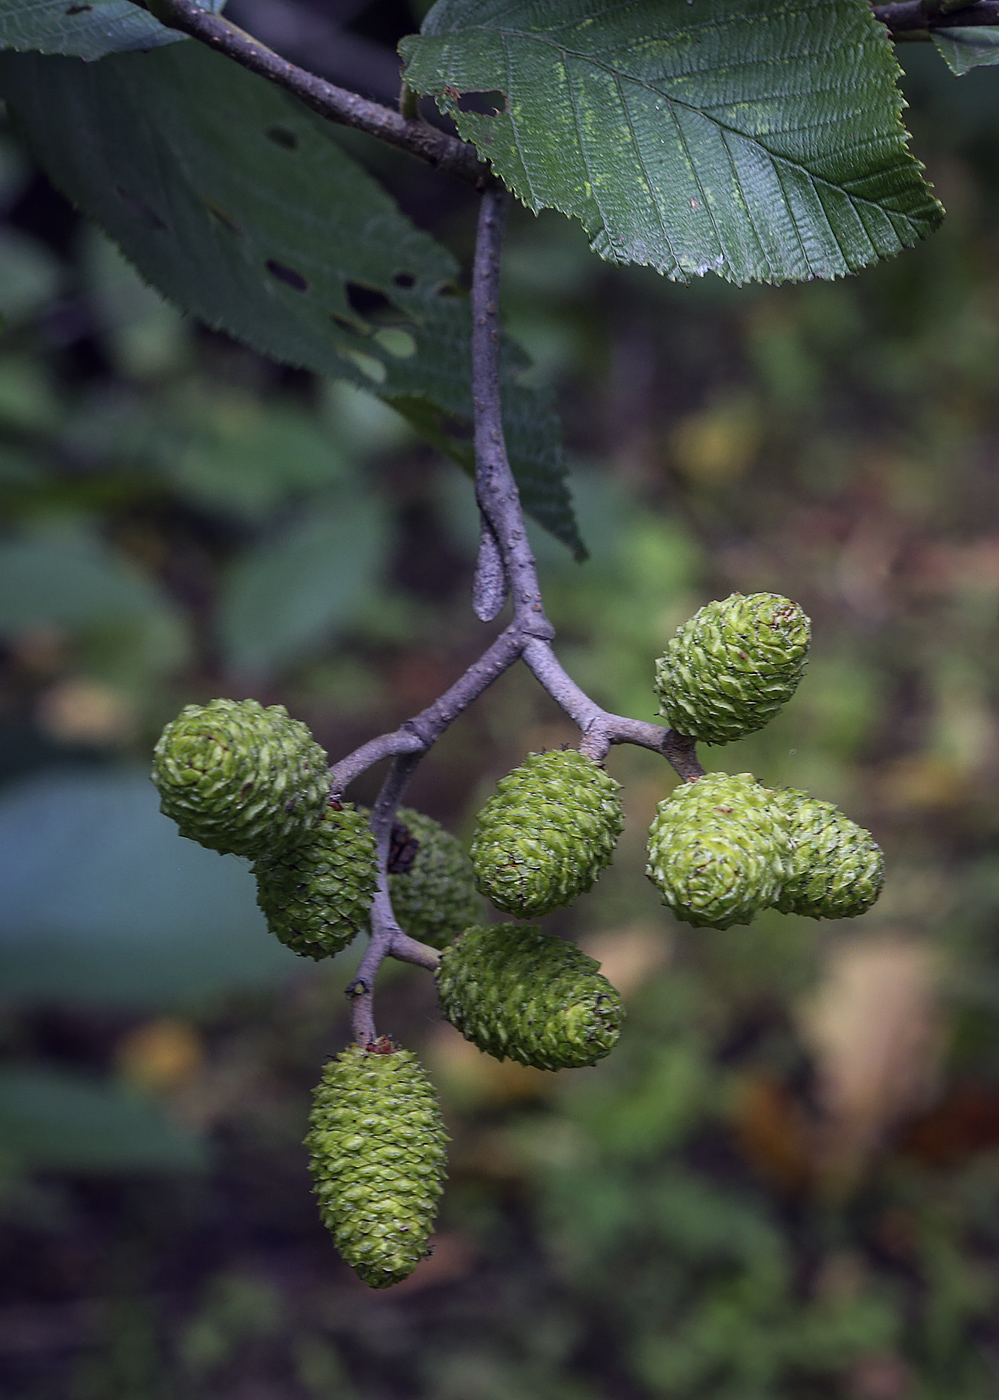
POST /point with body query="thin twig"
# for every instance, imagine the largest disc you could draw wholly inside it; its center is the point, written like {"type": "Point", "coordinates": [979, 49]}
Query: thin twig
{"type": "Point", "coordinates": [528, 637]}
{"type": "Point", "coordinates": [418, 734]}
{"type": "Point", "coordinates": [495, 488]}
{"type": "Point", "coordinates": [337, 104]}
{"type": "Point", "coordinates": [912, 19]}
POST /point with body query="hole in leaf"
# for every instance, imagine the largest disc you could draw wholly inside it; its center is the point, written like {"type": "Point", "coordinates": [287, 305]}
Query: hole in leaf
{"type": "Point", "coordinates": [287, 275]}
{"type": "Point", "coordinates": [78, 9]}
{"type": "Point", "coordinates": [226, 220]}
{"type": "Point", "coordinates": [142, 211]}
{"type": "Point", "coordinates": [485, 104]}
{"type": "Point", "coordinates": [343, 324]}
{"type": "Point", "coordinates": [446, 289]}
{"type": "Point", "coordinates": [366, 301]}
{"type": "Point", "coordinates": [397, 342]}
{"type": "Point", "coordinates": [404, 280]}
{"type": "Point", "coordinates": [282, 137]}
{"type": "Point", "coordinates": [368, 365]}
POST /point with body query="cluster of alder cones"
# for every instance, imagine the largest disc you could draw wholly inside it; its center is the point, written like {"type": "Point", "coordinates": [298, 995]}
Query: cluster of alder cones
{"type": "Point", "coordinates": [250, 781]}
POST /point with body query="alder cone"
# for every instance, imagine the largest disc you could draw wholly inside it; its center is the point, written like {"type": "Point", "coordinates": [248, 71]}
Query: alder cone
{"type": "Point", "coordinates": [837, 868]}
{"type": "Point", "coordinates": [521, 994]}
{"type": "Point", "coordinates": [239, 778]}
{"type": "Point", "coordinates": [731, 667]}
{"type": "Point", "coordinates": [436, 897]}
{"type": "Point", "coordinates": [316, 897]}
{"type": "Point", "coordinates": [377, 1154]}
{"type": "Point", "coordinates": [719, 850]}
{"type": "Point", "coordinates": [546, 834]}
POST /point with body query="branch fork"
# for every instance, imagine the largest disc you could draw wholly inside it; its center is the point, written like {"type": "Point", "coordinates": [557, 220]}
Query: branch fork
{"type": "Point", "coordinates": [505, 567]}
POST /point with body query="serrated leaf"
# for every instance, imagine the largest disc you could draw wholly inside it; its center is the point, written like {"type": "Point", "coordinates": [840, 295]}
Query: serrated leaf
{"type": "Point", "coordinates": [239, 206]}
{"type": "Point", "coordinates": [55, 1121]}
{"type": "Point", "coordinates": [967, 47]}
{"type": "Point", "coordinates": [87, 28]}
{"type": "Point", "coordinates": [103, 902]}
{"type": "Point", "coordinates": [302, 586]}
{"type": "Point", "coordinates": [759, 139]}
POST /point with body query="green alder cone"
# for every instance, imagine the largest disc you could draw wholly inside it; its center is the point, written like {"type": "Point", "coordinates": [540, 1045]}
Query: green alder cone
{"type": "Point", "coordinates": [317, 896]}
{"type": "Point", "coordinates": [239, 778]}
{"type": "Point", "coordinates": [837, 868]}
{"type": "Point", "coordinates": [719, 850]}
{"type": "Point", "coordinates": [377, 1154]}
{"type": "Point", "coordinates": [521, 994]}
{"type": "Point", "coordinates": [436, 897]}
{"type": "Point", "coordinates": [547, 833]}
{"type": "Point", "coordinates": [731, 667]}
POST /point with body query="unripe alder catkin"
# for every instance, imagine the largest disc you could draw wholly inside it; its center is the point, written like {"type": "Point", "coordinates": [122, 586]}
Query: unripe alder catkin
{"type": "Point", "coordinates": [377, 1153]}
{"type": "Point", "coordinates": [837, 868]}
{"type": "Point", "coordinates": [239, 778]}
{"type": "Point", "coordinates": [435, 898]}
{"type": "Point", "coordinates": [316, 897]}
{"type": "Point", "coordinates": [521, 994]}
{"type": "Point", "coordinates": [731, 667]}
{"type": "Point", "coordinates": [719, 850]}
{"type": "Point", "coordinates": [546, 834]}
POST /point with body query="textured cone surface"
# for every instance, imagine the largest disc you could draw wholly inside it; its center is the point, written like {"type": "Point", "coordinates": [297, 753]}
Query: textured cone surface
{"type": "Point", "coordinates": [239, 778]}
{"type": "Point", "coordinates": [377, 1153]}
{"type": "Point", "coordinates": [837, 868]}
{"type": "Point", "coordinates": [521, 994]}
{"type": "Point", "coordinates": [719, 850]}
{"type": "Point", "coordinates": [316, 897]}
{"type": "Point", "coordinates": [547, 833]}
{"type": "Point", "coordinates": [436, 897]}
{"type": "Point", "coordinates": [731, 667]}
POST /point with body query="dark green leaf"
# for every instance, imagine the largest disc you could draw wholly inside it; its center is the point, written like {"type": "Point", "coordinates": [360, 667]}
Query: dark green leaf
{"type": "Point", "coordinates": [87, 28]}
{"type": "Point", "coordinates": [102, 901]}
{"type": "Point", "coordinates": [971, 46]}
{"type": "Point", "coordinates": [303, 586]}
{"type": "Point", "coordinates": [63, 1122]}
{"type": "Point", "coordinates": [239, 206]}
{"type": "Point", "coordinates": [759, 139]}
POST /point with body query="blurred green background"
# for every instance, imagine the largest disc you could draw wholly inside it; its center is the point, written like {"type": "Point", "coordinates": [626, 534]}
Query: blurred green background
{"type": "Point", "coordinates": [784, 1185]}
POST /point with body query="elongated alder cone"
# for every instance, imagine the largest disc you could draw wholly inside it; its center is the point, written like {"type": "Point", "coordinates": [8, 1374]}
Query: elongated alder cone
{"type": "Point", "coordinates": [837, 868]}
{"type": "Point", "coordinates": [731, 667]}
{"type": "Point", "coordinates": [239, 778]}
{"type": "Point", "coordinates": [377, 1152]}
{"type": "Point", "coordinates": [521, 994]}
{"type": "Point", "coordinates": [719, 851]}
{"type": "Point", "coordinates": [316, 897]}
{"type": "Point", "coordinates": [435, 898]}
{"type": "Point", "coordinates": [547, 833]}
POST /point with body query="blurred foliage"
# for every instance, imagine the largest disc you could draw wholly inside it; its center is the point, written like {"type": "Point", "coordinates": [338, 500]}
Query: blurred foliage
{"type": "Point", "coordinates": [784, 1184]}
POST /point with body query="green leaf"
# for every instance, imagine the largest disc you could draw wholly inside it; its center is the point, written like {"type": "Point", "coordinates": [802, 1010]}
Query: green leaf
{"type": "Point", "coordinates": [244, 456]}
{"type": "Point", "coordinates": [302, 586]}
{"type": "Point", "coordinates": [971, 46]}
{"type": "Point", "coordinates": [87, 28]}
{"type": "Point", "coordinates": [65, 577]}
{"type": "Point", "coordinates": [102, 901]}
{"type": "Point", "coordinates": [239, 206]}
{"type": "Point", "coordinates": [759, 139]}
{"type": "Point", "coordinates": [55, 1121]}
